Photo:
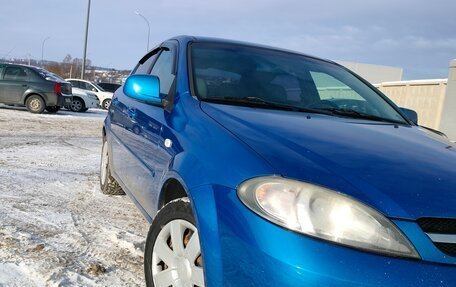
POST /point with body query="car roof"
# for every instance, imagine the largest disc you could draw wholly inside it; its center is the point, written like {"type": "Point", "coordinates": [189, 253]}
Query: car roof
{"type": "Point", "coordinates": [186, 39]}
{"type": "Point", "coordinates": [72, 79]}
{"type": "Point", "coordinates": [21, 65]}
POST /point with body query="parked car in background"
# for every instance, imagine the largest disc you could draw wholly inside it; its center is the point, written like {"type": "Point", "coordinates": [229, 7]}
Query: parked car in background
{"type": "Point", "coordinates": [103, 96]}
{"type": "Point", "coordinates": [35, 88]}
{"type": "Point", "coordinates": [109, 87]}
{"type": "Point", "coordinates": [83, 100]}
{"type": "Point", "coordinates": [258, 166]}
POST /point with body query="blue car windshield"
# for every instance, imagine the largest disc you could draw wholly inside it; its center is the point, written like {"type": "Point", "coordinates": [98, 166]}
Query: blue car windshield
{"type": "Point", "coordinates": [264, 78]}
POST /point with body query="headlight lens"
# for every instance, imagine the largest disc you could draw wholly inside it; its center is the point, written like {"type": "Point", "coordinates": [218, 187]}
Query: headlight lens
{"type": "Point", "coordinates": [323, 213]}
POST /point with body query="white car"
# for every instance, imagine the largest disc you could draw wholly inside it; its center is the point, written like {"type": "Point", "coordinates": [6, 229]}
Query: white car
{"type": "Point", "coordinates": [103, 96]}
{"type": "Point", "coordinates": [83, 100]}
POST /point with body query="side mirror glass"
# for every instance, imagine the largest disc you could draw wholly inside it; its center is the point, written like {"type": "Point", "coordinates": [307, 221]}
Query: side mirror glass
{"type": "Point", "coordinates": [144, 88]}
{"type": "Point", "coordinates": [411, 115]}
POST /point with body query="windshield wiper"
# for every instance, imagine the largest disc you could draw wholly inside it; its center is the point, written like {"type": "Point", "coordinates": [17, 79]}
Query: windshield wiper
{"type": "Point", "coordinates": [260, 102]}
{"type": "Point", "coordinates": [359, 115]}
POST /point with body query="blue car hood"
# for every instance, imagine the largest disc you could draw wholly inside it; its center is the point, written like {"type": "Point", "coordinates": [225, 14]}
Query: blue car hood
{"type": "Point", "coordinates": [403, 171]}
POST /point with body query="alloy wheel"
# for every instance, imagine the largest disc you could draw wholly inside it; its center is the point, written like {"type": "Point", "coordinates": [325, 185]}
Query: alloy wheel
{"type": "Point", "coordinates": [76, 105]}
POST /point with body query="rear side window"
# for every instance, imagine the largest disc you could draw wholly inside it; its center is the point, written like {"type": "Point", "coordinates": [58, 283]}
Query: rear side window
{"type": "Point", "coordinates": [163, 69]}
{"type": "Point", "coordinates": [15, 74]}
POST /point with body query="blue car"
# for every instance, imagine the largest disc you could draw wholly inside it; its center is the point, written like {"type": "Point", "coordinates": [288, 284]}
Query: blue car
{"type": "Point", "coordinates": [258, 166]}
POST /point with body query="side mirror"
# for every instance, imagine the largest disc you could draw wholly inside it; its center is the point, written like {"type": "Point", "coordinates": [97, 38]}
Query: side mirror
{"type": "Point", "coordinates": [145, 88]}
{"type": "Point", "coordinates": [410, 114]}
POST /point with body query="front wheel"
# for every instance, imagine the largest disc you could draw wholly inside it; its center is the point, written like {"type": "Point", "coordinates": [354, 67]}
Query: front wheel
{"type": "Point", "coordinates": [173, 251]}
{"type": "Point", "coordinates": [77, 105]}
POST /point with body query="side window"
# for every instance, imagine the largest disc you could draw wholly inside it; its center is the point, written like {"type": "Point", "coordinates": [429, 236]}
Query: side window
{"type": "Point", "coordinates": [33, 76]}
{"type": "Point", "coordinates": [163, 69]}
{"type": "Point", "coordinates": [1, 72]}
{"type": "Point", "coordinates": [15, 74]}
{"type": "Point", "coordinates": [93, 88]}
{"type": "Point", "coordinates": [145, 67]}
{"type": "Point", "coordinates": [86, 86]}
{"type": "Point", "coordinates": [75, 84]}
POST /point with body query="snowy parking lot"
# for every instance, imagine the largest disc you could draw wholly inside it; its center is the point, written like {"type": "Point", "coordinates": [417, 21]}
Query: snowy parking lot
{"type": "Point", "coordinates": [56, 227]}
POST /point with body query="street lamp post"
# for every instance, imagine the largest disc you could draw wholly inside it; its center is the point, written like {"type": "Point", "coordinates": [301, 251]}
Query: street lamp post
{"type": "Point", "coordinates": [42, 49]}
{"type": "Point", "coordinates": [148, 28]}
{"type": "Point", "coordinates": [85, 42]}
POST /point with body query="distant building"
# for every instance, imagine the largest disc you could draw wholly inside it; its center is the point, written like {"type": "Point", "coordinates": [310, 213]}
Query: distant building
{"type": "Point", "coordinates": [374, 73]}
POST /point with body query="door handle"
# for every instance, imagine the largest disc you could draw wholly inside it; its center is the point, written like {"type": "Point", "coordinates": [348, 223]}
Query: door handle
{"type": "Point", "coordinates": [25, 85]}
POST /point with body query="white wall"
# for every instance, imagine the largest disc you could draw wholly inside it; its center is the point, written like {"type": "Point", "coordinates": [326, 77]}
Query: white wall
{"type": "Point", "coordinates": [426, 97]}
{"type": "Point", "coordinates": [374, 73]}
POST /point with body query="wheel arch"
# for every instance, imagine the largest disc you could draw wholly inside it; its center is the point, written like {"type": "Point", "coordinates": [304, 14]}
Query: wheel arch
{"type": "Point", "coordinates": [34, 94]}
{"type": "Point", "coordinates": [172, 188]}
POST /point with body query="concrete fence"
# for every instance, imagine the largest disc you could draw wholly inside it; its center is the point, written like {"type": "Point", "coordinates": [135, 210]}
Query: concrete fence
{"type": "Point", "coordinates": [434, 100]}
{"type": "Point", "coordinates": [426, 97]}
{"type": "Point", "coordinates": [448, 120]}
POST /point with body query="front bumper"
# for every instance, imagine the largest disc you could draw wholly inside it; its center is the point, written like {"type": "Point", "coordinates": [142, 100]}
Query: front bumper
{"type": "Point", "coordinates": [242, 249]}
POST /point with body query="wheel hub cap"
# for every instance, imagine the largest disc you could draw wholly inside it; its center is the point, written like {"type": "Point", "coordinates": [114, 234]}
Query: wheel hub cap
{"type": "Point", "coordinates": [183, 268]}
{"type": "Point", "coordinates": [175, 254]}
{"type": "Point", "coordinates": [35, 104]}
{"type": "Point", "coordinates": [76, 105]}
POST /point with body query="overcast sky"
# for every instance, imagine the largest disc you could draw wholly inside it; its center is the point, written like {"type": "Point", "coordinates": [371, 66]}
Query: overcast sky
{"type": "Point", "coordinates": [417, 35]}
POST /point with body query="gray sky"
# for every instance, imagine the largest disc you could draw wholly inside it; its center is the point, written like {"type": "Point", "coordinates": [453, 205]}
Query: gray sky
{"type": "Point", "coordinates": [418, 35]}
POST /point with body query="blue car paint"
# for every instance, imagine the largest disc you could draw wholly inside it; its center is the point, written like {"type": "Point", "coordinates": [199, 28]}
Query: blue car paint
{"type": "Point", "coordinates": [255, 252]}
{"type": "Point", "coordinates": [376, 163]}
{"type": "Point", "coordinates": [402, 171]}
{"type": "Point", "coordinates": [143, 88]}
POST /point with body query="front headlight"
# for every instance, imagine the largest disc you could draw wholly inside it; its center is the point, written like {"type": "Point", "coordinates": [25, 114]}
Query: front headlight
{"type": "Point", "coordinates": [323, 213]}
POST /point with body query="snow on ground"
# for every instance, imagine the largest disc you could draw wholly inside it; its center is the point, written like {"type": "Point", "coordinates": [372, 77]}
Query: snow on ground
{"type": "Point", "coordinates": [56, 227]}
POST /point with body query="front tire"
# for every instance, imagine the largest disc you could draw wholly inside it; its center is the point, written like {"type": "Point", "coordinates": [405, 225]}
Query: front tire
{"type": "Point", "coordinates": [173, 251]}
{"type": "Point", "coordinates": [108, 184]}
{"type": "Point", "coordinates": [77, 105]}
{"type": "Point", "coordinates": [35, 104]}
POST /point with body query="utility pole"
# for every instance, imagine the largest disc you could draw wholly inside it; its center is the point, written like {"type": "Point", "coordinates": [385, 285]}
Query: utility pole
{"type": "Point", "coordinates": [42, 50]}
{"type": "Point", "coordinates": [148, 28]}
{"type": "Point", "coordinates": [85, 42]}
